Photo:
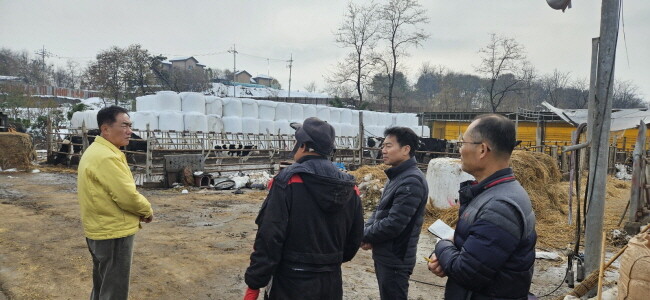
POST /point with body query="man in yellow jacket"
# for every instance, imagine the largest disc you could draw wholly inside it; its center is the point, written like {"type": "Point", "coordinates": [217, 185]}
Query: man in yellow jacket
{"type": "Point", "coordinates": [111, 207]}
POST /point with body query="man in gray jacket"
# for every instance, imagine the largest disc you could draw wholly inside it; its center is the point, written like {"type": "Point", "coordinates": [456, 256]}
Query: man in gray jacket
{"type": "Point", "coordinates": [393, 230]}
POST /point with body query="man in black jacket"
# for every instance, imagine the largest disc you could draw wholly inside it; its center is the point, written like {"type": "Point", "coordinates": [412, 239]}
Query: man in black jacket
{"type": "Point", "coordinates": [492, 253]}
{"type": "Point", "coordinates": [393, 230]}
{"type": "Point", "coordinates": [310, 223]}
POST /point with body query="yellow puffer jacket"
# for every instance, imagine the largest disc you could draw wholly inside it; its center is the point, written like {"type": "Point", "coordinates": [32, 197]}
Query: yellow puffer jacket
{"type": "Point", "coordinates": [111, 206]}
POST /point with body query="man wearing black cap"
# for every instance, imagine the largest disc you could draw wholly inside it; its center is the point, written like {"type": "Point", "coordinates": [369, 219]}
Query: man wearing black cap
{"type": "Point", "coordinates": [309, 224]}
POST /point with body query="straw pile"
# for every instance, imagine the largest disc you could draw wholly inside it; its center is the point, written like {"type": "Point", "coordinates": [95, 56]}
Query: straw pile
{"type": "Point", "coordinates": [370, 180]}
{"type": "Point", "coordinates": [17, 150]}
{"type": "Point", "coordinates": [538, 173]}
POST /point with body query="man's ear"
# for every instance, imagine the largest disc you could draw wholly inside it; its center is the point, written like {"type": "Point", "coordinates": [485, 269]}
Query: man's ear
{"type": "Point", "coordinates": [408, 150]}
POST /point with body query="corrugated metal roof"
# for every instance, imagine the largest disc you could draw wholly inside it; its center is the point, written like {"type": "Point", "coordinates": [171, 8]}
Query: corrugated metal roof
{"type": "Point", "coordinates": [621, 118]}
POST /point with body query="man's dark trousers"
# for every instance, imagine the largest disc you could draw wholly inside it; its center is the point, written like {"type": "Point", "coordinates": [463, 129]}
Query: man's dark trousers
{"type": "Point", "coordinates": [292, 284]}
{"type": "Point", "coordinates": [393, 281]}
{"type": "Point", "coordinates": [111, 267]}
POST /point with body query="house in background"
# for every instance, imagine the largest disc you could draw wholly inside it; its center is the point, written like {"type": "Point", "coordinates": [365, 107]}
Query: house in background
{"type": "Point", "coordinates": [266, 81]}
{"type": "Point", "coordinates": [243, 77]}
{"type": "Point", "coordinates": [182, 63]}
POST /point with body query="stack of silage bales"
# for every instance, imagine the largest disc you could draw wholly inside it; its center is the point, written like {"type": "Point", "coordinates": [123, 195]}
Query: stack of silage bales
{"type": "Point", "coordinates": [189, 111]}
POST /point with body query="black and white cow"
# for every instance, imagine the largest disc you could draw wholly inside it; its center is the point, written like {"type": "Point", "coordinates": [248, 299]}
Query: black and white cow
{"type": "Point", "coordinates": [236, 150]}
{"type": "Point", "coordinates": [76, 141]}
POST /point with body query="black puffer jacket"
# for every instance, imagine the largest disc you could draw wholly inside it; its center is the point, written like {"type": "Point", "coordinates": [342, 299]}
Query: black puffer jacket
{"type": "Point", "coordinates": [394, 228]}
{"type": "Point", "coordinates": [493, 253]}
{"type": "Point", "coordinates": [312, 220]}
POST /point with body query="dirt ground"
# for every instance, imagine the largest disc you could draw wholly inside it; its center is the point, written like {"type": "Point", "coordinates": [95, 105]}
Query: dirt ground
{"type": "Point", "coordinates": [197, 247]}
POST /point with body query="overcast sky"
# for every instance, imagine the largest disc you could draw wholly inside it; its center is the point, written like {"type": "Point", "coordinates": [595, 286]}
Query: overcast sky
{"type": "Point", "coordinates": [276, 29]}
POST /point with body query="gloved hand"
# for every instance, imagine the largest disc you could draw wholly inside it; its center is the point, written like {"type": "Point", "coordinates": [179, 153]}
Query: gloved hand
{"type": "Point", "coordinates": [251, 294]}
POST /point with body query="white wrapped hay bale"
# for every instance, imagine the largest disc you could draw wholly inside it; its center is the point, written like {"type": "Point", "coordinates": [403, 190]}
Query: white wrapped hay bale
{"type": "Point", "coordinates": [335, 115]}
{"type": "Point", "coordinates": [195, 121]}
{"type": "Point", "coordinates": [349, 130]}
{"type": "Point", "coordinates": [297, 113]}
{"type": "Point", "coordinates": [355, 117]}
{"type": "Point", "coordinates": [140, 120]}
{"type": "Point", "coordinates": [375, 131]}
{"type": "Point", "coordinates": [90, 116]}
{"type": "Point", "coordinates": [232, 124]}
{"type": "Point", "coordinates": [77, 119]}
{"type": "Point", "coordinates": [145, 103]}
{"type": "Point", "coordinates": [309, 110]}
{"type": "Point", "coordinates": [267, 127]}
{"type": "Point", "coordinates": [192, 102]}
{"type": "Point", "coordinates": [346, 116]}
{"type": "Point", "coordinates": [422, 131]}
{"type": "Point", "coordinates": [283, 111]}
{"type": "Point", "coordinates": [283, 126]}
{"type": "Point", "coordinates": [213, 106]}
{"type": "Point", "coordinates": [266, 109]}
{"type": "Point", "coordinates": [444, 176]}
{"type": "Point", "coordinates": [406, 119]}
{"type": "Point", "coordinates": [232, 107]}
{"type": "Point", "coordinates": [167, 100]}
{"type": "Point", "coordinates": [171, 120]}
{"type": "Point", "coordinates": [323, 113]}
{"type": "Point", "coordinates": [337, 128]}
{"type": "Point", "coordinates": [369, 118]}
{"type": "Point", "coordinates": [249, 108]}
{"type": "Point", "coordinates": [250, 125]}
{"type": "Point", "coordinates": [385, 119]}
{"type": "Point", "coordinates": [215, 123]}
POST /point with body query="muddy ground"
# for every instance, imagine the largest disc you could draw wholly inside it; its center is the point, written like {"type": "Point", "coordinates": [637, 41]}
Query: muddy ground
{"type": "Point", "coordinates": [197, 247]}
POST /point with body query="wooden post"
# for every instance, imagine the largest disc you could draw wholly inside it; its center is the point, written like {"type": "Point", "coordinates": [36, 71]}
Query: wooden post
{"type": "Point", "coordinates": [148, 157]}
{"type": "Point", "coordinates": [49, 136]}
{"type": "Point", "coordinates": [361, 132]}
{"type": "Point", "coordinates": [601, 108]}
{"type": "Point", "coordinates": [637, 183]}
{"type": "Point", "coordinates": [84, 137]}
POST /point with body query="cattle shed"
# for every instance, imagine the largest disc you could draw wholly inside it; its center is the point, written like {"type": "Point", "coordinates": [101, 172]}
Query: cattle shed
{"type": "Point", "coordinates": [533, 128]}
{"type": "Point", "coordinates": [543, 128]}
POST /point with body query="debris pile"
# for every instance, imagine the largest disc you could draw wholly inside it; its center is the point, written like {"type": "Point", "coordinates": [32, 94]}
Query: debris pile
{"type": "Point", "coordinates": [17, 150]}
{"type": "Point", "coordinates": [370, 180]}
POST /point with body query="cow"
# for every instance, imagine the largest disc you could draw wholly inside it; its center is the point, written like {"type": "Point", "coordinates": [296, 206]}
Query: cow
{"type": "Point", "coordinates": [430, 145]}
{"type": "Point", "coordinates": [76, 141]}
{"type": "Point", "coordinates": [236, 150]}
{"type": "Point", "coordinates": [375, 142]}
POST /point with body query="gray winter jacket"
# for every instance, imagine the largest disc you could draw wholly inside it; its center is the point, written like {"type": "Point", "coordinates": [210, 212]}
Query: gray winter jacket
{"type": "Point", "coordinates": [394, 227]}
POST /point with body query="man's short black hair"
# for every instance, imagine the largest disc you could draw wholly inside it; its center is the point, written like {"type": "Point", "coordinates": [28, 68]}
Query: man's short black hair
{"type": "Point", "coordinates": [108, 115]}
{"type": "Point", "coordinates": [498, 131]}
{"type": "Point", "coordinates": [405, 136]}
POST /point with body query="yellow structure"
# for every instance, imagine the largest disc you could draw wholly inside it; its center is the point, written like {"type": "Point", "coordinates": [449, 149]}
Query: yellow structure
{"type": "Point", "coordinates": [555, 133]}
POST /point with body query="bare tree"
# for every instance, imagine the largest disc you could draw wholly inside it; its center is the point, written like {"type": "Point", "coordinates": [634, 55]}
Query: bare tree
{"type": "Point", "coordinates": [502, 63]}
{"type": "Point", "coordinates": [555, 87]}
{"type": "Point", "coordinates": [626, 95]}
{"type": "Point", "coordinates": [400, 28]}
{"type": "Point", "coordinates": [359, 31]}
{"type": "Point", "coordinates": [311, 87]}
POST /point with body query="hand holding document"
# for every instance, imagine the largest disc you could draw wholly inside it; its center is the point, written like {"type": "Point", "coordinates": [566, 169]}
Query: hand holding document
{"type": "Point", "coordinates": [441, 230]}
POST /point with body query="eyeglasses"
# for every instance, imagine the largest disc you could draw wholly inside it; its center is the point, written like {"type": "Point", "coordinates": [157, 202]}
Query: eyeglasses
{"type": "Point", "coordinates": [460, 143]}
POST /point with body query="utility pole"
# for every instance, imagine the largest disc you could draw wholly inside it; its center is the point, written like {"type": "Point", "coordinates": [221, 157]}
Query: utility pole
{"type": "Point", "coordinates": [43, 53]}
{"type": "Point", "coordinates": [234, 69]}
{"type": "Point", "coordinates": [601, 107]}
{"type": "Point", "coordinates": [290, 66]}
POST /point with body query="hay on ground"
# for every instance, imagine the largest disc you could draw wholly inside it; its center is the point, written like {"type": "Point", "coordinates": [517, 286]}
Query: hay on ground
{"type": "Point", "coordinates": [17, 150]}
{"type": "Point", "coordinates": [370, 180]}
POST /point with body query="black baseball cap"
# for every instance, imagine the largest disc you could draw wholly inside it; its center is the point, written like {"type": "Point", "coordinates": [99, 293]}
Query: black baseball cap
{"type": "Point", "coordinates": [317, 133]}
